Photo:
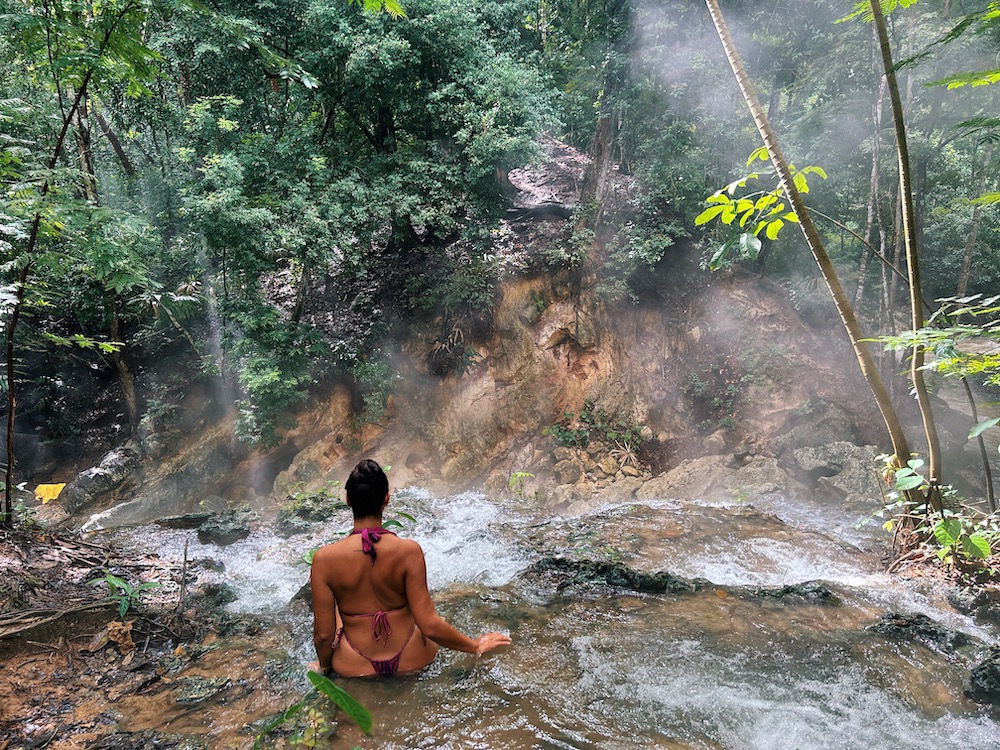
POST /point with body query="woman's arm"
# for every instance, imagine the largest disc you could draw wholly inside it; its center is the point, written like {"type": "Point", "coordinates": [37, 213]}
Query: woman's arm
{"type": "Point", "coordinates": [431, 624]}
{"type": "Point", "coordinates": [324, 611]}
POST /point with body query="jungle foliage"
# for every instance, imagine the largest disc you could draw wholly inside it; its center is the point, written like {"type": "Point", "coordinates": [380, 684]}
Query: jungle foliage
{"type": "Point", "coordinates": [266, 191]}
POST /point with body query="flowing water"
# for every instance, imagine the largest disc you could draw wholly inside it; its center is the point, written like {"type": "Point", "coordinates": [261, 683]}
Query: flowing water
{"type": "Point", "coordinates": [594, 666]}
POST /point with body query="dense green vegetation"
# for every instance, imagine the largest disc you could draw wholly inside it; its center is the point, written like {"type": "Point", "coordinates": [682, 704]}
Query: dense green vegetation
{"type": "Point", "coordinates": [267, 190]}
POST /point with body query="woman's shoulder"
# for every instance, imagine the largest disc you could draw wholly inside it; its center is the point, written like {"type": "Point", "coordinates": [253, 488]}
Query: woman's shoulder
{"type": "Point", "coordinates": [331, 550]}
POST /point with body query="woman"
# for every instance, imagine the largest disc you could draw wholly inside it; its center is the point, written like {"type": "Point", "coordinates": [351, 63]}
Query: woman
{"type": "Point", "coordinates": [372, 611]}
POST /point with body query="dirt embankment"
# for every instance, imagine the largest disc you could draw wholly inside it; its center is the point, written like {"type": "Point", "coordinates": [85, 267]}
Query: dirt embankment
{"type": "Point", "coordinates": [96, 665]}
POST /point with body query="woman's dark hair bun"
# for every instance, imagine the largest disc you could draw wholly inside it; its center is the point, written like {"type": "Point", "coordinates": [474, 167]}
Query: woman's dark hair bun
{"type": "Point", "coordinates": [366, 489]}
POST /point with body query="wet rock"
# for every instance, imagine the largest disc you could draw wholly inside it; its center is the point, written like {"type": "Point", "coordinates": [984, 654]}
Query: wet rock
{"type": "Point", "coordinates": [299, 515]}
{"type": "Point", "coordinates": [575, 572]}
{"type": "Point", "coordinates": [919, 628]}
{"type": "Point", "coordinates": [112, 477]}
{"type": "Point", "coordinates": [812, 591]}
{"type": "Point", "coordinates": [186, 521]}
{"type": "Point", "coordinates": [980, 602]}
{"type": "Point", "coordinates": [984, 681]}
{"type": "Point", "coordinates": [226, 527]}
{"type": "Point", "coordinates": [832, 424]}
{"type": "Point", "coordinates": [704, 477]}
{"type": "Point", "coordinates": [568, 472]}
{"type": "Point", "coordinates": [194, 690]}
{"type": "Point", "coordinates": [842, 471]}
{"type": "Point", "coordinates": [218, 594]}
{"type": "Point", "coordinates": [146, 739]}
{"type": "Point", "coordinates": [761, 475]}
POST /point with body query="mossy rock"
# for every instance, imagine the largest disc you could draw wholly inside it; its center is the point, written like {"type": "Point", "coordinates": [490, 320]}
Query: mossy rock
{"type": "Point", "coordinates": [227, 527]}
{"type": "Point", "coordinates": [984, 681]}
{"type": "Point", "coordinates": [919, 628]}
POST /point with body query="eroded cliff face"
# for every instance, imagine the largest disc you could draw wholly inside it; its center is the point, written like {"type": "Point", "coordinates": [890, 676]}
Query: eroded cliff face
{"type": "Point", "coordinates": [730, 372]}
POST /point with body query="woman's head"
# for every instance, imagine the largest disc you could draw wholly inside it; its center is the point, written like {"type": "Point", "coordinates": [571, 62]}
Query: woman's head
{"type": "Point", "coordinates": [367, 488]}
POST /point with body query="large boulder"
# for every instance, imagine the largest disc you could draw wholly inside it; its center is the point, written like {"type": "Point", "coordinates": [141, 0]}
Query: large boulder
{"type": "Point", "coordinates": [706, 477]}
{"type": "Point", "coordinates": [115, 474]}
{"type": "Point", "coordinates": [842, 472]}
{"type": "Point", "coordinates": [227, 527]}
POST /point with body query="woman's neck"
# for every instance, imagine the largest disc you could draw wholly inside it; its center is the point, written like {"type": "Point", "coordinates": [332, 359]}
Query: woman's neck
{"type": "Point", "coordinates": [373, 522]}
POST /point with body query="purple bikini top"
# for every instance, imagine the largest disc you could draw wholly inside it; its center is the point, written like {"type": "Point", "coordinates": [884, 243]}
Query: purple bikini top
{"type": "Point", "coordinates": [369, 536]}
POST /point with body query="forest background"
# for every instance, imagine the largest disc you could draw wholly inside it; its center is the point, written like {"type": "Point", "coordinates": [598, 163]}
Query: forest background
{"type": "Point", "coordinates": [271, 192]}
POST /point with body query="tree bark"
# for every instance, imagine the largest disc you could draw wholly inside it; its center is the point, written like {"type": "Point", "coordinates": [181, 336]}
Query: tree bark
{"type": "Point", "coordinates": [85, 151]}
{"type": "Point", "coordinates": [126, 378]}
{"type": "Point", "coordinates": [865, 362]}
{"type": "Point", "coordinates": [912, 260]}
{"type": "Point", "coordinates": [116, 146]}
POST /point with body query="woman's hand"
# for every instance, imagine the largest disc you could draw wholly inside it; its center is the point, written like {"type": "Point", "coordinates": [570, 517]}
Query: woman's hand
{"type": "Point", "coordinates": [490, 641]}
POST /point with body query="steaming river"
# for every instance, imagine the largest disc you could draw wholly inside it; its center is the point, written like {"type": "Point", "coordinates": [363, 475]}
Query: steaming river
{"type": "Point", "coordinates": [592, 666]}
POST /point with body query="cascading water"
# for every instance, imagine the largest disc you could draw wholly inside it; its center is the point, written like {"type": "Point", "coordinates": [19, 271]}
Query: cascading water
{"type": "Point", "coordinates": [594, 666]}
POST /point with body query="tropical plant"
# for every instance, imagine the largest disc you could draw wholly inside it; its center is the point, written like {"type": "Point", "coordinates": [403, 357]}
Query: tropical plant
{"type": "Point", "coordinates": [960, 534]}
{"type": "Point", "coordinates": [124, 593]}
{"type": "Point", "coordinates": [309, 735]}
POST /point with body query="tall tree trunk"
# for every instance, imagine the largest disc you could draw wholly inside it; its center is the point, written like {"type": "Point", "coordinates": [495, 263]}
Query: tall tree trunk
{"type": "Point", "coordinates": [116, 146]}
{"type": "Point", "coordinates": [912, 261]}
{"type": "Point", "coordinates": [126, 378]}
{"type": "Point", "coordinates": [85, 151]}
{"type": "Point", "coordinates": [597, 178]}
{"type": "Point", "coordinates": [868, 369]}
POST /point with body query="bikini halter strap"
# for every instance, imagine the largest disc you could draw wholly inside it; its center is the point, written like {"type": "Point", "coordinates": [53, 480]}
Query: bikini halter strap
{"type": "Point", "coordinates": [369, 536]}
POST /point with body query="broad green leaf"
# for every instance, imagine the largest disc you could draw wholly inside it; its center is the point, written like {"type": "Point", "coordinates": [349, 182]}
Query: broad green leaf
{"type": "Point", "coordinates": [909, 483]}
{"type": "Point", "coordinates": [773, 227]}
{"type": "Point", "coordinates": [947, 531]}
{"type": "Point", "coordinates": [979, 428]}
{"type": "Point", "coordinates": [766, 200]}
{"type": "Point", "coordinates": [975, 545]}
{"type": "Point", "coordinates": [915, 463]}
{"type": "Point", "coordinates": [749, 246]}
{"type": "Point", "coordinates": [759, 153]}
{"type": "Point", "coordinates": [721, 253]}
{"type": "Point", "coordinates": [709, 213]}
{"type": "Point", "coordinates": [358, 713]}
{"type": "Point", "coordinates": [815, 170]}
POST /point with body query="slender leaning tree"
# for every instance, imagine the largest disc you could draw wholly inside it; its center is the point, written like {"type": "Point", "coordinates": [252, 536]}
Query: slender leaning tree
{"type": "Point", "coordinates": [867, 364]}
{"type": "Point", "coordinates": [912, 264]}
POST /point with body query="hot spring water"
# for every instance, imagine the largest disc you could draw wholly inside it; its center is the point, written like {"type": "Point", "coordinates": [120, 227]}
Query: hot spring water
{"type": "Point", "coordinates": [597, 667]}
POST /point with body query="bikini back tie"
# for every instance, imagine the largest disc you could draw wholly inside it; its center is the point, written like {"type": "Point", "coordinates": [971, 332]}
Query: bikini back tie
{"type": "Point", "coordinates": [369, 536]}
